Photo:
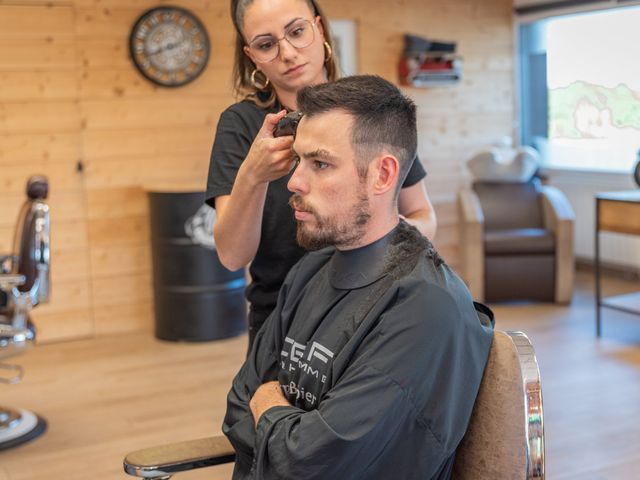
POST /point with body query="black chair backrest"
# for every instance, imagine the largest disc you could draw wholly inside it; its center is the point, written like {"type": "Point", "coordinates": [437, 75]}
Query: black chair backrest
{"type": "Point", "coordinates": [507, 206]}
{"type": "Point", "coordinates": [31, 240]}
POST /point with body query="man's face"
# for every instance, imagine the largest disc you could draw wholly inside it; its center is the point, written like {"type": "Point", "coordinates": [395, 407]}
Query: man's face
{"type": "Point", "coordinates": [330, 200]}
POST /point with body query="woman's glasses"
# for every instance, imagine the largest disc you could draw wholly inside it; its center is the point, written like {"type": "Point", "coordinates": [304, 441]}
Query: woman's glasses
{"type": "Point", "coordinates": [299, 34]}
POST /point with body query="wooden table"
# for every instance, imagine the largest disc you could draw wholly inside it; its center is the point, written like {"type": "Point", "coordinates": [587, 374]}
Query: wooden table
{"type": "Point", "coordinates": [617, 212]}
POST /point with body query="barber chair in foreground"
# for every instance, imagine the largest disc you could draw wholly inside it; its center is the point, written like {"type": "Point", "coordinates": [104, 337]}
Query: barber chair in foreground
{"type": "Point", "coordinates": [505, 438]}
{"type": "Point", "coordinates": [24, 283]}
{"type": "Point", "coordinates": [516, 236]}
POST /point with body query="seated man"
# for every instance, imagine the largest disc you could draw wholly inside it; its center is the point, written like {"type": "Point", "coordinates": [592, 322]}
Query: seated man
{"type": "Point", "coordinates": [369, 366]}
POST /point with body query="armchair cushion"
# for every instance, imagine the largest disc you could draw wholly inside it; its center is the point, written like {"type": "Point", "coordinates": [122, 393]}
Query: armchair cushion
{"type": "Point", "coordinates": [519, 241]}
{"type": "Point", "coordinates": [519, 277]}
{"type": "Point", "coordinates": [510, 205]}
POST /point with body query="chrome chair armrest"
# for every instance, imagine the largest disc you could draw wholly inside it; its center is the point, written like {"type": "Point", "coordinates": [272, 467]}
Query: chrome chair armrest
{"type": "Point", "coordinates": [162, 462]}
{"type": "Point", "coordinates": [9, 280]}
{"type": "Point", "coordinates": [534, 412]}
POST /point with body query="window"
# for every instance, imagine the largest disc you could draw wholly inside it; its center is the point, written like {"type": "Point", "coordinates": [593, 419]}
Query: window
{"type": "Point", "coordinates": [580, 89]}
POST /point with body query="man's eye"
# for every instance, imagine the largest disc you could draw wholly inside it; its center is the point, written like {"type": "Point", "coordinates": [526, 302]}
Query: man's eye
{"type": "Point", "coordinates": [320, 165]}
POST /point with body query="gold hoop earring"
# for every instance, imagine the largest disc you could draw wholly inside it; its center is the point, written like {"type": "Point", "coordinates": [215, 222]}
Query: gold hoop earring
{"type": "Point", "coordinates": [328, 52]}
{"type": "Point", "coordinates": [255, 83]}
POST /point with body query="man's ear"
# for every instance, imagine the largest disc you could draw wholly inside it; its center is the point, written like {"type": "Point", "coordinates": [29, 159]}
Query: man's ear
{"type": "Point", "coordinates": [386, 172]}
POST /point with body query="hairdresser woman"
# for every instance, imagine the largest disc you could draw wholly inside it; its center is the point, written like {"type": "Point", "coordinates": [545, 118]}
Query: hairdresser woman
{"type": "Point", "coordinates": [281, 46]}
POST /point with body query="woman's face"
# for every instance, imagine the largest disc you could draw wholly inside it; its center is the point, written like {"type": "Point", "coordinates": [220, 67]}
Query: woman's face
{"type": "Point", "coordinates": [293, 68]}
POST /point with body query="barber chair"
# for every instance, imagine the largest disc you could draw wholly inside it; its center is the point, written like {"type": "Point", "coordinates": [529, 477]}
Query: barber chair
{"type": "Point", "coordinates": [24, 284]}
{"type": "Point", "coordinates": [505, 437]}
{"type": "Point", "coordinates": [516, 235]}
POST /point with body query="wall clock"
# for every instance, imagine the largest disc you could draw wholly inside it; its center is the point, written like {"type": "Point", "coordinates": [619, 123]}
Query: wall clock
{"type": "Point", "coordinates": [169, 46]}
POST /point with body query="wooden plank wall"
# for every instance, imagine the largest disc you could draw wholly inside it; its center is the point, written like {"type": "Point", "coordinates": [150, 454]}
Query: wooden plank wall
{"type": "Point", "coordinates": [41, 132]}
{"type": "Point", "coordinates": [69, 95]}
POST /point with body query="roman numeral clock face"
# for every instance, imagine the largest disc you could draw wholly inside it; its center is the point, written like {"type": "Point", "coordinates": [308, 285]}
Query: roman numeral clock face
{"type": "Point", "coordinates": [169, 46]}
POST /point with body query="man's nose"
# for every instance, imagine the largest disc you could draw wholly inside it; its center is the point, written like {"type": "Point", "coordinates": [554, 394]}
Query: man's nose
{"type": "Point", "coordinates": [297, 182]}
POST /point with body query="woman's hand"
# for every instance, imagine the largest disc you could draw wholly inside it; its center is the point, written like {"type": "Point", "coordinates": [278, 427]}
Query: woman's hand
{"type": "Point", "coordinates": [240, 213]}
{"type": "Point", "coordinates": [269, 157]}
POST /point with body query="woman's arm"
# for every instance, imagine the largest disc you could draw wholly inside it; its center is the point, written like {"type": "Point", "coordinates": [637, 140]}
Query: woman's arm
{"type": "Point", "coordinates": [414, 205]}
{"type": "Point", "coordinates": [239, 214]}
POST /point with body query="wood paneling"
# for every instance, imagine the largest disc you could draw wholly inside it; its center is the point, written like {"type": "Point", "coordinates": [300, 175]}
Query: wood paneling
{"type": "Point", "coordinates": [121, 290]}
{"type": "Point", "coordinates": [114, 202]}
{"type": "Point", "coordinates": [118, 261]}
{"type": "Point", "coordinates": [130, 114]}
{"type": "Point", "coordinates": [125, 82]}
{"type": "Point", "coordinates": [37, 53]}
{"type": "Point", "coordinates": [66, 296]}
{"type": "Point", "coordinates": [30, 86]}
{"type": "Point", "coordinates": [108, 232]}
{"type": "Point", "coordinates": [41, 117]}
{"type": "Point", "coordinates": [31, 148]}
{"type": "Point", "coordinates": [62, 178]}
{"type": "Point", "coordinates": [131, 317]}
{"type": "Point", "coordinates": [72, 324]}
{"type": "Point", "coordinates": [147, 142]}
{"type": "Point", "coordinates": [72, 98]}
{"type": "Point", "coordinates": [26, 21]}
{"type": "Point", "coordinates": [183, 168]}
{"type": "Point", "coordinates": [40, 133]}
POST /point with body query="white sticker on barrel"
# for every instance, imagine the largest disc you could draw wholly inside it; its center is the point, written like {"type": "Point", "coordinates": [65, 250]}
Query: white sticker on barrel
{"type": "Point", "coordinates": [199, 228]}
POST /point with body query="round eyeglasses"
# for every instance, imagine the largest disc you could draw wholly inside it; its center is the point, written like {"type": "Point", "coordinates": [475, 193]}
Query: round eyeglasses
{"type": "Point", "coordinates": [299, 34]}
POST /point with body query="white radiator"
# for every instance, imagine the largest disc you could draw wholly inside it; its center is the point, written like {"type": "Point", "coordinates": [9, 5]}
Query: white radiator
{"type": "Point", "coordinates": [580, 188]}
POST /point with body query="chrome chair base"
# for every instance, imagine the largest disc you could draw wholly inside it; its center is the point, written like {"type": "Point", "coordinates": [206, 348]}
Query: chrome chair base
{"type": "Point", "coordinates": [18, 427]}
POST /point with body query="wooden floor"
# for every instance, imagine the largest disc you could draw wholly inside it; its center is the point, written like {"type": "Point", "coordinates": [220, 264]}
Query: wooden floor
{"type": "Point", "coordinates": [106, 397]}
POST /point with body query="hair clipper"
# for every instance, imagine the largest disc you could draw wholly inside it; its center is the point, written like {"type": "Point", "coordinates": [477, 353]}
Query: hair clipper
{"type": "Point", "coordinates": [287, 124]}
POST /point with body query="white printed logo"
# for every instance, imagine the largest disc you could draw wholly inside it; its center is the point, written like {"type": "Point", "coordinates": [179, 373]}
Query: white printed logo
{"type": "Point", "coordinates": [297, 349]}
{"type": "Point", "coordinates": [317, 351]}
{"type": "Point", "coordinates": [199, 228]}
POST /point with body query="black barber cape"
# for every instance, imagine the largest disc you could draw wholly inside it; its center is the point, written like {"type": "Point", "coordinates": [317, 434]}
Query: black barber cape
{"type": "Point", "coordinates": [379, 351]}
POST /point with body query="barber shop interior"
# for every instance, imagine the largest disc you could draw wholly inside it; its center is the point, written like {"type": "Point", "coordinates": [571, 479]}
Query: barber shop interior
{"type": "Point", "coordinates": [319, 239]}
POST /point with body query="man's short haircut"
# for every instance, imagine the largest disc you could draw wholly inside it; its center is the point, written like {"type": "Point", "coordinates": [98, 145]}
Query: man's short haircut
{"type": "Point", "coordinates": [384, 118]}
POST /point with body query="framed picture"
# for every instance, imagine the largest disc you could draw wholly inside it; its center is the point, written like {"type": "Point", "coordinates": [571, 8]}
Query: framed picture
{"type": "Point", "coordinates": [344, 43]}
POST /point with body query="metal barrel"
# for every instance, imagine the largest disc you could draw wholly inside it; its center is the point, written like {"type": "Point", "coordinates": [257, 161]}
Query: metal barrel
{"type": "Point", "coordinates": [195, 297]}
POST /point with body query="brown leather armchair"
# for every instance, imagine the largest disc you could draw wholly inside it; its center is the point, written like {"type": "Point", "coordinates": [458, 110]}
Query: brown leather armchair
{"type": "Point", "coordinates": [505, 437]}
{"type": "Point", "coordinates": [516, 239]}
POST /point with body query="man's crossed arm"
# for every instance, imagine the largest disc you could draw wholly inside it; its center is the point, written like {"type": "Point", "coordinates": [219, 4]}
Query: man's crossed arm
{"type": "Point", "coordinates": [268, 395]}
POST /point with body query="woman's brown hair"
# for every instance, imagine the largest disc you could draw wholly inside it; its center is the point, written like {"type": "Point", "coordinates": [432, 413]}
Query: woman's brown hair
{"type": "Point", "coordinates": [243, 67]}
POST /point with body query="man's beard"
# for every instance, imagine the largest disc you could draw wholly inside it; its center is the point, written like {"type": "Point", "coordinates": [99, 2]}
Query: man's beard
{"type": "Point", "coordinates": [330, 231]}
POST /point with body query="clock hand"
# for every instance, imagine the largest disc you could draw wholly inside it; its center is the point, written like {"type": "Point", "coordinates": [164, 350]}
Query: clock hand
{"type": "Point", "coordinates": [169, 46]}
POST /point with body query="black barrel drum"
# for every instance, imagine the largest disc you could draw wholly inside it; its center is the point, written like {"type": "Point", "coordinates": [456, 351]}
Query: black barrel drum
{"type": "Point", "coordinates": [195, 297]}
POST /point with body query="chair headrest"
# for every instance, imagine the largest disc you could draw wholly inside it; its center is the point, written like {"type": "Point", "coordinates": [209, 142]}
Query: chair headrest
{"type": "Point", "coordinates": [504, 165]}
{"type": "Point", "coordinates": [37, 187]}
